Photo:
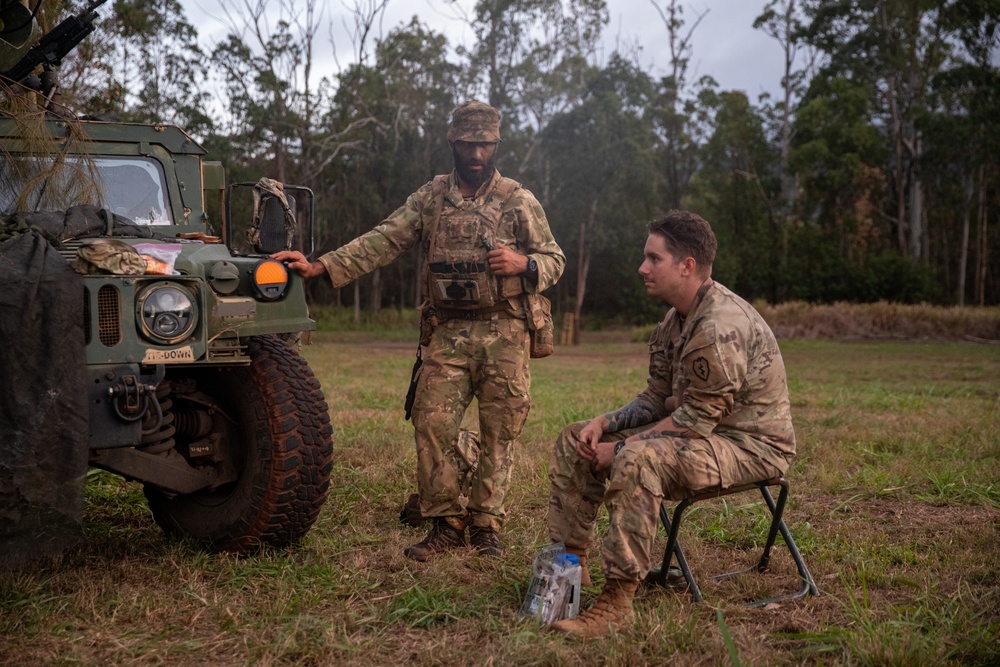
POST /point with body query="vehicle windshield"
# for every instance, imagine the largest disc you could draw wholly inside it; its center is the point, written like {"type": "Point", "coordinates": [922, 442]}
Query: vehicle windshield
{"type": "Point", "coordinates": [132, 187]}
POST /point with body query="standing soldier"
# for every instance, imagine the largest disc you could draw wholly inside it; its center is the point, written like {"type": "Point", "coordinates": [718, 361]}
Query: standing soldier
{"type": "Point", "coordinates": [714, 414]}
{"type": "Point", "coordinates": [489, 253]}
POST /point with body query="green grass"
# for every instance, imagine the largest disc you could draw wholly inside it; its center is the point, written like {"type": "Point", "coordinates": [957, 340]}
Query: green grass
{"type": "Point", "coordinates": [895, 505]}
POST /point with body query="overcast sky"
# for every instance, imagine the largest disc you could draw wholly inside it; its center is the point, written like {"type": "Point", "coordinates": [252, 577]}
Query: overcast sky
{"type": "Point", "coordinates": [725, 44]}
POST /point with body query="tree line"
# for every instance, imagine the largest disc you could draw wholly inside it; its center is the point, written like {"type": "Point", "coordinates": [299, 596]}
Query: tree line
{"type": "Point", "coordinates": [872, 175]}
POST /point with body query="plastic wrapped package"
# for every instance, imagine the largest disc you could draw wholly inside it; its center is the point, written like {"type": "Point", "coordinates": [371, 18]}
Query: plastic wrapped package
{"type": "Point", "coordinates": [554, 592]}
{"type": "Point", "coordinates": [160, 257]}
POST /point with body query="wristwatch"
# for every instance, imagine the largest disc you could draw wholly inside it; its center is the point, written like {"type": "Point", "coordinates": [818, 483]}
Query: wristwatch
{"type": "Point", "coordinates": [532, 265]}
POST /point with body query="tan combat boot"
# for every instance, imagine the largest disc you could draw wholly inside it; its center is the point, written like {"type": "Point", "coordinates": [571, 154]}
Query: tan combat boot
{"type": "Point", "coordinates": [446, 533]}
{"type": "Point", "coordinates": [612, 610]}
{"type": "Point", "coordinates": [585, 581]}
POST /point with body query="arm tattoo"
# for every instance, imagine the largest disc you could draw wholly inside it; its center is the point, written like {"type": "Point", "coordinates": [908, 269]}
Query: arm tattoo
{"type": "Point", "coordinates": [637, 413]}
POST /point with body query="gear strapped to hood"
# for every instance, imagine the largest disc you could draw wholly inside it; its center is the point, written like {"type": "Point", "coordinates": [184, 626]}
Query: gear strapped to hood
{"type": "Point", "coordinates": [101, 256]}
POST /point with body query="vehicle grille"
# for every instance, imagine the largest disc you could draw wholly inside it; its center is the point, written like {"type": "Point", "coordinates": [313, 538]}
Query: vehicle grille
{"type": "Point", "coordinates": [70, 249]}
{"type": "Point", "coordinates": [109, 320]}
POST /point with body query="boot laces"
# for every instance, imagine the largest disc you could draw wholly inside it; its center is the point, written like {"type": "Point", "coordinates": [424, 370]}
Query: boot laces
{"type": "Point", "coordinates": [443, 536]}
{"type": "Point", "coordinates": [484, 537]}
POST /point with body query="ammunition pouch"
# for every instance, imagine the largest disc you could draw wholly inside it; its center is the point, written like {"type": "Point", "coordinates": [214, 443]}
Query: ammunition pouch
{"type": "Point", "coordinates": [541, 326]}
{"type": "Point", "coordinates": [510, 287]}
{"type": "Point", "coordinates": [465, 285]}
{"type": "Point", "coordinates": [428, 322]}
{"type": "Point", "coordinates": [470, 285]}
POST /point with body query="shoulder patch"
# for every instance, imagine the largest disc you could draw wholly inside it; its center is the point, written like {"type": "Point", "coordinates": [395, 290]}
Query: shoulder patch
{"type": "Point", "coordinates": [701, 368]}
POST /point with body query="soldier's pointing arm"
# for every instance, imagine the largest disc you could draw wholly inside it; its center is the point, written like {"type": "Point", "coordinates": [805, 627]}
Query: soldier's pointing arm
{"type": "Point", "coordinates": [388, 240]}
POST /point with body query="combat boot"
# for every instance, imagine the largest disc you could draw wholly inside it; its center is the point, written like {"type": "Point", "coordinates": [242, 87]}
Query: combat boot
{"type": "Point", "coordinates": [446, 533]}
{"type": "Point", "coordinates": [581, 554]}
{"type": "Point", "coordinates": [486, 541]}
{"type": "Point", "coordinates": [612, 610]}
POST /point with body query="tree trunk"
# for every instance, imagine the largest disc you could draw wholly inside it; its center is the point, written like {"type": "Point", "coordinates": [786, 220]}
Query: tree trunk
{"type": "Point", "coordinates": [898, 178]}
{"type": "Point", "coordinates": [918, 235]}
{"type": "Point", "coordinates": [357, 304]}
{"type": "Point", "coordinates": [583, 267]}
{"type": "Point", "coordinates": [963, 261]}
{"type": "Point", "coordinates": [981, 244]}
{"type": "Point", "coordinates": [376, 290]}
{"type": "Point", "coordinates": [583, 264]}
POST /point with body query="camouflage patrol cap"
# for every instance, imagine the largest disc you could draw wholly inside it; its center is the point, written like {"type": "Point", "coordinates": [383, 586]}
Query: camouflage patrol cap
{"type": "Point", "coordinates": [474, 121]}
{"type": "Point", "coordinates": [98, 256]}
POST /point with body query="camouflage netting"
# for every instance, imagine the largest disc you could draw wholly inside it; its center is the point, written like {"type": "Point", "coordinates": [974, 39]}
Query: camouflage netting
{"type": "Point", "coordinates": [44, 419]}
{"type": "Point", "coordinates": [76, 223]}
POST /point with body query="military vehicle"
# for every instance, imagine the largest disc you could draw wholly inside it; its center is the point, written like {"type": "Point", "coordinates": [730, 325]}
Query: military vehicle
{"type": "Point", "coordinates": [190, 384]}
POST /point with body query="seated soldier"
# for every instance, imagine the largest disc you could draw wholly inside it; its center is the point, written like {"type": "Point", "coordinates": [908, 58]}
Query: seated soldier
{"type": "Point", "coordinates": [714, 414]}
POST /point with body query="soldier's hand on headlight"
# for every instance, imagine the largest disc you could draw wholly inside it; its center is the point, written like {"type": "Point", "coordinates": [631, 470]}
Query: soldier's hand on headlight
{"type": "Point", "coordinates": [296, 260]}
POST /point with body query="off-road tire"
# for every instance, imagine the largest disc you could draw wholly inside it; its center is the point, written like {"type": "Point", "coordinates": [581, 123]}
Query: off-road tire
{"type": "Point", "coordinates": [293, 339]}
{"type": "Point", "coordinates": [283, 420]}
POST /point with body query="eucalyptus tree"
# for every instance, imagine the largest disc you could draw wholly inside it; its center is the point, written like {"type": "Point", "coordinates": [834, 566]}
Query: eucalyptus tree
{"type": "Point", "coordinates": [963, 139]}
{"type": "Point", "coordinates": [390, 118]}
{"type": "Point", "coordinates": [678, 124]}
{"type": "Point", "coordinates": [840, 159]}
{"type": "Point", "coordinates": [603, 189]}
{"type": "Point", "coordinates": [893, 47]}
{"type": "Point", "coordinates": [143, 63]}
{"type": "Point", "coordinates": [782, 20]}
{"type": "Point", "coordinates": [531, 59]}
{"type": "Point", "coordinates": [264, 65]}
{"type": "Point", "coordinates": [736, 188]}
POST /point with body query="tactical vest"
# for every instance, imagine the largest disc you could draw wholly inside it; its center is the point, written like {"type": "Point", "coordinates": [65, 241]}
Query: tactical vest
{"type": "Point", "coordinates": [456, 271]}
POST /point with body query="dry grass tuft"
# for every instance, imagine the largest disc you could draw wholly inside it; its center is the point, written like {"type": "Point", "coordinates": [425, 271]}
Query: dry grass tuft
{"type": "Point", "coordinates": [881, 320]}
{"type": "Point", "coordinates": [874, 321]}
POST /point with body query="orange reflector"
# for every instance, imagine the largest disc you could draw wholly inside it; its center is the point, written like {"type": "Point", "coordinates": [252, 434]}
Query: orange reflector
{"type": "Point", "coordinates": [270, 273]}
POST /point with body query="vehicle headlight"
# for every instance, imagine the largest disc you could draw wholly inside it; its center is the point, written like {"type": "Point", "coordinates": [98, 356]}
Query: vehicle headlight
{"type": "Point", "coordinates": [166, 313]}
{"type": "Point", "coordinates": [270, 279]}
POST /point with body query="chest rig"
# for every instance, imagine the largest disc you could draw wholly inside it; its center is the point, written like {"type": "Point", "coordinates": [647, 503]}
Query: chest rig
{"type": "Point", "coordinates": [456, 270]}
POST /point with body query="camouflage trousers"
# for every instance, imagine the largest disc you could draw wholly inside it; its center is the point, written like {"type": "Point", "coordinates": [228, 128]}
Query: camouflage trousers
{"type": "Point", "coordinates": [643, 475]}
{"type": "Point", "coordinates": [487, 360]}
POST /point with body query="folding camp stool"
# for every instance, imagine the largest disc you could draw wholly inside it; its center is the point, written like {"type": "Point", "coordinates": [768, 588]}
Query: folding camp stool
{"type": "Point", "coordinates": [777, 524]}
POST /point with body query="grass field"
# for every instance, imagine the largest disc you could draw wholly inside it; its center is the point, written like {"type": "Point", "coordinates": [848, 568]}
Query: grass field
{"type": "Point", "coordinates": [895, 506]}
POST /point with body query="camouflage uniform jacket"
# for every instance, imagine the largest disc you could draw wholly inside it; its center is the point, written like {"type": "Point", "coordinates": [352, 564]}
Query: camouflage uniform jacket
{"type": "Point", "coordinates": [723, 361]}
{"type": "Point", "coordinates": [523, 227]}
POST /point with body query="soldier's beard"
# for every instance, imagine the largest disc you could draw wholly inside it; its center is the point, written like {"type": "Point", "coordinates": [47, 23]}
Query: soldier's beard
{"type": "Point", "coordinates": [474, 178]}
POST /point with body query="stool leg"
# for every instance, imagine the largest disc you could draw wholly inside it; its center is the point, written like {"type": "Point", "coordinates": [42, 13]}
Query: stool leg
{"type": "Point", "coordinates": [673, 549]}
{"type": "Point", "coordinates": [776, 520]}
{"type": "Point", "coordinates": [661, 576]}
{"type": "Point", "coordinates": [778, 524]}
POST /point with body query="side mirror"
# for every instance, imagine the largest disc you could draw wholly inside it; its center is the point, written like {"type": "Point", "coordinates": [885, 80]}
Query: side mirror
{"type": "Point", "coordinates": [268, 227]}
